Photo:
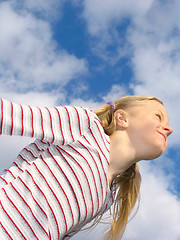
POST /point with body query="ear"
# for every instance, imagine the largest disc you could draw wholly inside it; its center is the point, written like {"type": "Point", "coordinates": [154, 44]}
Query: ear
{"type": "Point", "coordinates": [121, 119]}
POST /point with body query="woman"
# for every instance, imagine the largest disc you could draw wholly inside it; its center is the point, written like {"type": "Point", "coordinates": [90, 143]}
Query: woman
{"type": "Point", "coordinates": [79, 165]}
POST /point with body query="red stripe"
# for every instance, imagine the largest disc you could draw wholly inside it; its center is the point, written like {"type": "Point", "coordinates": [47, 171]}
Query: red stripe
{"type": "Point", "coordinates": [51, 124]}
{"type": "Point", "coordinates": [54, 196]}
{"type": "Point", "coordinates": [11, 219]}
{"type": "Point", "coordinates": [104, 172]}
{"type": "Point", "coordinates": [6, 231]}
{"type": "Point", "coordinates": [49, 235]}
{"type": "Point", "coordinates": [99, 147]}
{"type": "Point", "coordinates": [78, 121]}
{"type": "Point", "coordinates": [61, 189]}
{"type": "Point", "coordinates": [4, 180]}
{"type": "Point", "coordinates": [88, 118]}
{"type": "Point", "coordinates": [45, 143]}
{"type": "Point", "coordinates": [41, 193]}
{"type": "Point", "coordinates": [22, 120]}
{"type": "Point", "coordinates": [95, 138]}
{"type": "Point", "coordinates": [1, 116]}
{"type": "Point", "coordinates": [30, 153]}
{"type": "Point", "coordinates": [7, 170]}
{"type": "Point", "coordinates": [24, 159]}
{"type": "Point", "coordinates": [29, 206]}
{"type": "Point", "coordinates": [32, 121]}
{"type": "Point", "coordinates": [18, 166]}
{"type": "Point", "coordinates": [70, 183]}
{"type": "Point", "coordinates": [101, 136]}
{"type": "Point", "coordinates": [106, 207]}
{"type": "Point", "coordinates": [85, 177]}
{"type": "Point", "coordinates": [37, 146]}
{"type": "Point", "coordinates": [69, 120]}
{"type": "Point", "coordinates": [44, 198]}
{"type": "Point", "coordinates": [41, 123]}
{"type": "Point", "coordinates": [60, 126]}
{"type": "Point", "coordinates": [11, 119]}
{"type": "Point", "coordinates": [19, 211]}
{"type": "Point", "coordinates": [101, 163]}
{"type": "Point", "coordinates": [96, 167]}
{"type": "Point", "coordinates": [97, 120]}
{"type": "Point", "coordinates": [28, 188]}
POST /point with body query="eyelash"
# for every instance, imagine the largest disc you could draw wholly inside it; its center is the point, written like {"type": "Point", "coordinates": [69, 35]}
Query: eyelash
{"type": "Point", "coordinates": [159, 116]}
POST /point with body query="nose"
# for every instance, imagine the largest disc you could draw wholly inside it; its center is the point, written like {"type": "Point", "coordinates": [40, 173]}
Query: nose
{"type": "Point", "coordinates": [168, 130]}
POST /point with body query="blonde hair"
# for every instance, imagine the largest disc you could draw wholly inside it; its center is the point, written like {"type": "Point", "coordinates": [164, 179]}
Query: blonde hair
{"type": "Point", "coordinates": [128, 183]}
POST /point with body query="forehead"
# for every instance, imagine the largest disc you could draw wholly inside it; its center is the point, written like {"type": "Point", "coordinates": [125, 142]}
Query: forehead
{"type": "Point", "coordinates": [152, 106]}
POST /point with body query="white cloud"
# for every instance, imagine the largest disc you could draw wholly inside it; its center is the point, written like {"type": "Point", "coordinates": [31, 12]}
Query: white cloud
{"type": "Point", "coordinates": [91, 104]}
{"type": "Point", "coordinates": [115, 92]}
{"type": "Point", "coordinates": [102, 15]}
{"type": "Point", "coordinates": [33, 98]}
{"type": "Point", "coordinates": [103, 19]}
{"type": "Point", "coordinates": [30, 59]}
{"type": "Point", "coordinates": [44, 8]}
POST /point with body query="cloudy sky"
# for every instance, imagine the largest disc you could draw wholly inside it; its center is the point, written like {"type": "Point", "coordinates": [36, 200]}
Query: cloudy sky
{"type": "Point", "coordinates": [88, 52]}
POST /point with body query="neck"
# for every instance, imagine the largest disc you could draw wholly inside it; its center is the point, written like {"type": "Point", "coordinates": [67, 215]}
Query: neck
{"type": "Point", "coordinates": [122, 155]}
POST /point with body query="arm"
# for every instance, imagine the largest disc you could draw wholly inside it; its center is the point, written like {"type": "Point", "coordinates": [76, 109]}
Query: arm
{"type": "Point", "coordinates": [59, 124]}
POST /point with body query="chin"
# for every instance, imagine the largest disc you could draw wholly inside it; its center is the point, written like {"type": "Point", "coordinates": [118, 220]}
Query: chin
{"type": "Point", "coordinates": [156, 153]}
{"type": "Point", "coordinates": [159, 154]}
{"type": "Point", "coordinates": [159, 150]}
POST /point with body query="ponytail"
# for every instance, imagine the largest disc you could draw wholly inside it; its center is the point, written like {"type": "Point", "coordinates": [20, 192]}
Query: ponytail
{"type": "Point", "coordinates": [128, 186]}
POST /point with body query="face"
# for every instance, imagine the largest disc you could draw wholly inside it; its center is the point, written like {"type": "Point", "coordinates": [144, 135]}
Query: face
{"type": "Point", "coordinates": [148, 129]}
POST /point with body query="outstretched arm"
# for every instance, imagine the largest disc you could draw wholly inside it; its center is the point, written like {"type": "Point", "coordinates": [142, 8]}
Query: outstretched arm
{"type": "Point", "coordinates": [58, 124]}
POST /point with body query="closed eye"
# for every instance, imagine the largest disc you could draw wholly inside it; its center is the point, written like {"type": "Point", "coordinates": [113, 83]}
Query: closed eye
{"type": "Point", "coordinates": [159, 116]}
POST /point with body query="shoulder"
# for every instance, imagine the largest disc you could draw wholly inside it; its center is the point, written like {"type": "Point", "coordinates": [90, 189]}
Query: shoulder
{"type": "Point", "coordinates": [76, 112]}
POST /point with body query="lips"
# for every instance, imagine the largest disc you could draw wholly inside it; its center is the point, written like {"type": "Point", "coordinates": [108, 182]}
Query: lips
{"type": "Point", "coordinates": [162, 135]}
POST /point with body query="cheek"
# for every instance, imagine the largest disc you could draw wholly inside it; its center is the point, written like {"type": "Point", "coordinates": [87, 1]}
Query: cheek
{"type": "Point", "coordinates": [143, 131]}
{"type": "Point", "coordinates": [150, 139]}
{"type": "Point", "coordinates": [146, 131]}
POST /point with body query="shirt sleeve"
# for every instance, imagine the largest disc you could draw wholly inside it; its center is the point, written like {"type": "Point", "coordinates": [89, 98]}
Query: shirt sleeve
{"type": "Point", "coordinates": [56, 125]}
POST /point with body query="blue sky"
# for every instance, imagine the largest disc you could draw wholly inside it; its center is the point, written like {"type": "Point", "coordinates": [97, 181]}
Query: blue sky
{"type": "Point", "coordinates": [87, 53]}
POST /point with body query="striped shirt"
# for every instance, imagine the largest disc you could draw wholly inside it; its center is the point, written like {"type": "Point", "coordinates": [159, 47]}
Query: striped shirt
{"type": "Point", "coordinates": [59, 182]}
